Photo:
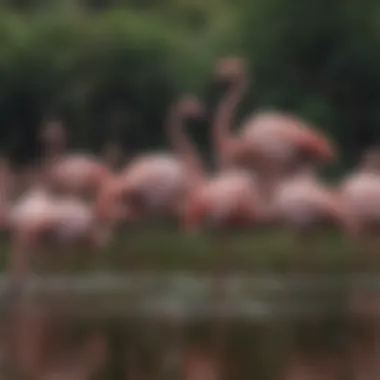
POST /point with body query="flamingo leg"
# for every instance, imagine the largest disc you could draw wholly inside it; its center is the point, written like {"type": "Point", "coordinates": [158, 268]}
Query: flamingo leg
{"type": "Point", "coordinates": [200, 365]}
{"type": "Point", "coordinates": [29, 334]}
{"type": "Point", "coordinates": [23, 244]}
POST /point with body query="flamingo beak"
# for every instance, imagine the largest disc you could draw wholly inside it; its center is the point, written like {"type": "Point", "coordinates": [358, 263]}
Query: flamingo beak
{"type": "Point", "coordinates": [328, 153]}
{"type": "Point", "coordinates": [320, 148]}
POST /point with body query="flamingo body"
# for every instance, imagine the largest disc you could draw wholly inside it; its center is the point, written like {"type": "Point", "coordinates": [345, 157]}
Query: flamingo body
{"type": "Point", "coordinates": [281, 137]}
{"type": "Point", "coordinates": [302, 202]}
{"type": "Point", "coordinates": [362, 195]}
{"type": "Point", "coordinates": [33, 207]}
{"type": "Point", "coordinates": [157, 180]}
{"type": "Point", "coordinates": [79, 174]}
{"type": "Point", "coordinates": [67, 218]}
{"type": "Point", "coordinates": [230, 198]}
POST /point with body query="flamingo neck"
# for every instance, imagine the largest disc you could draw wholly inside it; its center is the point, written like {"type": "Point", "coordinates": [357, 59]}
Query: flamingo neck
{"type": "Point", "coordinates": [113, 156]}
{"type": "Point", "coordinates": [183, 146]}
{"type": "Point", "coordinates": [223, 121]}
{"type": "Point", "coordinates": [54, 150]}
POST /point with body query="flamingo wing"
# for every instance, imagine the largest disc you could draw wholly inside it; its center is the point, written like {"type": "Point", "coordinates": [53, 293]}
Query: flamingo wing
{"type": "Point", "coordinates": [159, 179]}
{"type": "Point", "coordinates": [282, 136]}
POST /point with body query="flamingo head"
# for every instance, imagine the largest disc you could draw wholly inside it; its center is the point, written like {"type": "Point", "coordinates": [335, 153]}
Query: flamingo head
{"type": "Point", "coordinates": [191, 107]}
{"type": "Point", "coordinates": [317, 147]}
{"type": "Point", "coordinates": [231, 69]}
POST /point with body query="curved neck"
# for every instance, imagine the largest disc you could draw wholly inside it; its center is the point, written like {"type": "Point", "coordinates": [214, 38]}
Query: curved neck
{"type": "Point", "coordinates": [113, 156]}
{"type": "Point", "coordinates": [225, 114]}
{"type": "Point", "coordinates": [53, 144]}
{"type": "Point", "coordinates": [54, 150]}
{"type": "Point", "coordinates": [183, 146]}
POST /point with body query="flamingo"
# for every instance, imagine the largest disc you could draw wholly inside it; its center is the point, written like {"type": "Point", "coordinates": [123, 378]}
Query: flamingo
{"type": "Point", "coordinates": [230, 198]}
{"type": "Point", "coordinates": [72, 173]}
{"type": "Point", "coordinates": [272, 143]}
{"type": "Point", "coordinates": [41, 217]}
{"type": "Point", "coordinates": [227, 200]}
{"type": "Point", "coordinates": [155, 184]}
{"type": "Point", "coordinates": [79, 174]}
{"type": "Point", "coordinates": [304, 204]}
{"type": "Point", "coordinates": [269, 142]}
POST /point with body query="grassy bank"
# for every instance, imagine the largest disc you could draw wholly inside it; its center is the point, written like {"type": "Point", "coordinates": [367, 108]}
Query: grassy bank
{"type": "Point", "coordinates": [166, 249]}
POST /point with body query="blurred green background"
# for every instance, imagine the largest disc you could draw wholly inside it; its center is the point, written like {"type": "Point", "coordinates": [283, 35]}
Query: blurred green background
{"type": "Point", "coordinates": [110, 68]}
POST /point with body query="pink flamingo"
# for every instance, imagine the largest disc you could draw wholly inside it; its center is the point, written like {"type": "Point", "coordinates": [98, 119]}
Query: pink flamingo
{"type": "Point", "coordinates": [304, 205]}
{"type": "Point", "coordinates": [275, 144]}
{"type": "Point", "coordinates": [230, 198]}
{"type": "Point", "coordinates": [40, 218]}
{"type": "Point", "coordinates": [156, 184]}
{"type": "Point", "coordinates": [269, 142]}
{"type": "Point", "coordinates": [71, 173]}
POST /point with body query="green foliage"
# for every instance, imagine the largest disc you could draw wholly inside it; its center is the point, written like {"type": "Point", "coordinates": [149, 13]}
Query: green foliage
{"type": "Point", "coordinates": [86, 66]}
{"type": "Point", "coordinates": [86, 59]}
